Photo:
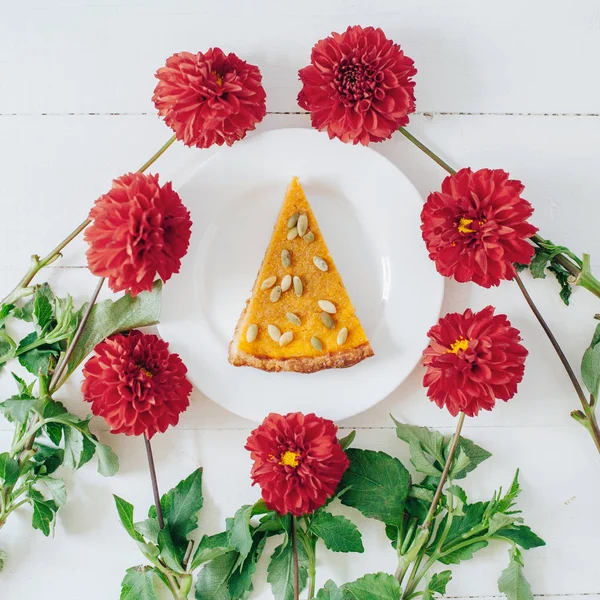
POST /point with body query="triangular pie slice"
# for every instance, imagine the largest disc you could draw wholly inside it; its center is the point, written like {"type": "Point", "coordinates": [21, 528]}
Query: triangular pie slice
{"type": "Point", "coordinates": [299, 316]}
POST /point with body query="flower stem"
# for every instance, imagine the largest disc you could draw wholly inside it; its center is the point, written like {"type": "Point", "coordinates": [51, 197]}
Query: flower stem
{"type": "Point", "coordinates": [421, 146]}
{"type": "Point", "coordinates": [295, 560]}
{"type": "Point", "coordinates": [589, 420]}
{"type": "Point", "coordinates": [585, 278]}
{"type": "Point", "coordinates": [414, 554]}
{"type": "Point", "coordinates": [55, 382]}
{"type": "Point", "coordinates": [150, 456]}
{"type": "Point", "coordinates": [22, 288]}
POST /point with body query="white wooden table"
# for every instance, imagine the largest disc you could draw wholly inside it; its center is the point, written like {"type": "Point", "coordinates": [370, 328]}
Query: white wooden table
{"type": "Point", "coordinates": [512, 84]}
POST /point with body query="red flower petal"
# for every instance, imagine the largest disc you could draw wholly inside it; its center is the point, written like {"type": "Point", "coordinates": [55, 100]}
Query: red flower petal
{"type": "Point", "coordinates": [139, 230]}
{"type": "Point", "coordinates": [298, 462]}
{"type": "Point", "coordinates": [135, 385]}
{"type": "Point", "coordinates": [476, 227]}
{"type": "Point", "coordinates": [472, 360]}
{"type": "Point", "coordinates": [358, 86]}
{"type": "Point", "coordinates": [209, 98]}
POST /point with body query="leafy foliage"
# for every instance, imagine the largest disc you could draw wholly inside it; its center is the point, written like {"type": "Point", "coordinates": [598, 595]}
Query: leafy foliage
{"type": "Point", "coordinates": [280, 572]}
{"type": "Point", "coordinates": [590, 364]}
{"type": "Point", "coordinates": [512, 582]}
{"type": "Point", "coordinates": [378, 586]}
{"type": "Point", "coordinates": [377, 485]}
{"type": "Point", "coordinates": [338, 533]}
{"type": "Point", "coordinates": [138, 584]}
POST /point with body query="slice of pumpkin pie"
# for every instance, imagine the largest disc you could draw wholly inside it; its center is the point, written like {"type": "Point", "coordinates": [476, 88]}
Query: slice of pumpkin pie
{"type": "Point", "coordinates": [299, 316]}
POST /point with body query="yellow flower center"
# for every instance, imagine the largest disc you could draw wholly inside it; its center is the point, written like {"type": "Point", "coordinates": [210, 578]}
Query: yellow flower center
{"type": "Point", "coordinates": [289, 459]}
{"type": "Point", "coordinates": [460, 344]}
{"type": "Point", "coordinates": [219, 78]}
{"type": "Point", "coordinates": [463, 225]}
{"type": "Point", "coordinates": [145, 371]}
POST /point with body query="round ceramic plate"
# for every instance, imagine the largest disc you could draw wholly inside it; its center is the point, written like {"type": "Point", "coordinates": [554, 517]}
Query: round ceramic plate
{"type": "Point", "coordinates": [368, 212]}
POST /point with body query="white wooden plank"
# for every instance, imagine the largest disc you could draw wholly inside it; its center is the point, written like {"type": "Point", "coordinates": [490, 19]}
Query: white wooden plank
{"type": "Point", "coordinates": [558, 500]}
{"type": "Point", "coordinates": [472, 56]}
{"type": "Point", "coordinates": [545, 397]}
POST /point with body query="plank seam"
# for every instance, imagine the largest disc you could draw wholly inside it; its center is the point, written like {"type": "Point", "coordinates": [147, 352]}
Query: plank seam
{"type": "Point", "coordinates": [428, 114]}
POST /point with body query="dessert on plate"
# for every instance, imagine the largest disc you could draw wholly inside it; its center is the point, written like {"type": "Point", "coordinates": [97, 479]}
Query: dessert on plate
{"type": "Point", "coordinates": [299, 316]}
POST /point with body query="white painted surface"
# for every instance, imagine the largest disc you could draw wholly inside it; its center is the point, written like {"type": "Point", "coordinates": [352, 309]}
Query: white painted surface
{"type": "Point", "coordinates": [473, 57]}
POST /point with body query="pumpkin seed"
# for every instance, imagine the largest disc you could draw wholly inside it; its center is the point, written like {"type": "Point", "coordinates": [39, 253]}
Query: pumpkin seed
{"type": "Point", "coordinates": [274, 333]}
{"type": "Point", "coordinates": [251, 333]}
{"type": "Point", "coordinates": [328, 307]}
{"type": "Point", "coordinates": [320, 263]}
{"type": "Point", "coordinates": [309, 237]}
{"type": "Point", "coordinates": [292, 233]}
{"type": "Point", "coordinates": [293, 220]}
{"type": "Point", "coordinates": [275, 293]}
{"type": "Point", "coordinates": [342, 336]}
{"type": "Point", "coordinates": [316, 343]}
{"type": "Point", "coordinates": [292, 318]}
{"type": "Point", "coordinates": [327, 320]}
{"type": "Point", "coordinates": [286, 258]}
{"type": "Point", "coordinates": [302, 225]}
{"type": "Point", "coordinates": [286, 338]}
{"type": "Point", "coordinates": [268, 282]}
{"type": "Point", "coordinates": [286, 283]}
{"type": "Point", "coordinates": [298, 287]}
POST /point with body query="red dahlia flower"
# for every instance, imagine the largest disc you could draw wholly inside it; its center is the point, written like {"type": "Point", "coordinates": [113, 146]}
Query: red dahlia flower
{"type": "Point", "coordinates": [358, 86]}
{"type": "Point", "coordinates": [139, 230]}
{"type": "Point", "coordinates": [135, 385]}
{"type": "Point", "coordinates": [472, 360]}
{"type": "Point", "coordinates": [298, 462]}
{"type": "Point", "coordinates": [476, 227]}
{"type": "Point", "coordinates": [209, 98]}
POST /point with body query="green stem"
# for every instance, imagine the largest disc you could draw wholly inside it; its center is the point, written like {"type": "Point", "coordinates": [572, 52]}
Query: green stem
{"type": "Point", "coordinates": [585, 279]}
{"type": "Point", "coordinates": [295, 559]}
{"type": "Point", "coordinates": [22, 288]}
{"type": "Point", "coordinates": [421, 146]}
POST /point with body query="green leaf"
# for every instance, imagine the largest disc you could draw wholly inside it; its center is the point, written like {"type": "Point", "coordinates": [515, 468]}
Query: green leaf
{"type": "Point", "coordinates": [43, 313]}
{"type": "Point", "coordinates": [460, 463]}
{"type": "Point", "coordinates": [508, 500]}
{"type": "Point", "coordinates": [180, 508]}
{"type": "Point", "coordinates": [9, 469]}
{"type": "Point", "coordinates": [499, 521]}
{"type": "Point", "coordinates": [25, 313]}
{"type": "Point", "coordinates": [17, 408]}
{"type": "Point", "coordinates": [512, 581]}
{"type": "Point", "coordinates": [43, 512]}
{"type": "Point", "coordinates": [169, 551]}
{"type": "Point", "coordinates": [458, 492]}
{"type": "Point", "coordinates": [421, 463]}
{"type": "Point", "coordinates": [110, 317]}
{"type": "Point", "coordinates": [378, 485]}
{"type": "Point", "coordinates": [38, 359]}
{"type": "Point", "coordinates": [108, 461]}
{"type": "Point", "coordinates": [473, 515]}
{"type": "Point", "coordinates": [5, 312]}
{"type": "Point", "coordinates": [377, 586]}
{"type": "Point", "coordinates": [562, 276]}
{"type": "Point", "coordinates": [209, 548]}
{"type": "Point", "coordinates": [520, 535]}
{"type": "Point", "coordinates": [590, 365]}
{"type": "Point", "coordinates": [438, 582]}
{"type": "Point", "coordinates": [330, 591]}
{"type": "Point", "coordinates": [53, 489]}
{"type": "Point", "coordinates": [464, 553]}
{"type": "Point", "coordinates": [47, 459]}
{"type": "Point", "coordinates": [73, 447]}
{"type": "Point", "coordinates": [338, 533]}
{"type": "Point", "coordinates": [138, 584]}
{"type": "Point", "coordinates": [475, 454]}
{"type": "Point", "coordinates": [149, 529]}
{"type": "Point", "coordinates": [538, 263]}
{"type": "Point", "coordinates": [125, 511]}
{"type": "Point", "coordinates": [280, 572]}
{"type": "Point", "coordinates": [240, 580]}
{"type": "Point", "coordinates": [213, 580]}
{"type": "Point", "coordinates": [430, 441]}
{"type": "Point", "coordinates": [239, 534]}
{"type": "Point", "coordinates": [3, 557]}
{"type": "Point", "coordinates": [346, 441]}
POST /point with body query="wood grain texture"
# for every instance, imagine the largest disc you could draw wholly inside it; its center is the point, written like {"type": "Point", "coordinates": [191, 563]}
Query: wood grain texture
{"type": "Point", "coordinates": [65, 66]}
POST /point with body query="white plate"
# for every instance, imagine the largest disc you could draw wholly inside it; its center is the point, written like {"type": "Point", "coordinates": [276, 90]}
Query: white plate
{"type": "Point", "coordinates": [368, 212]}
